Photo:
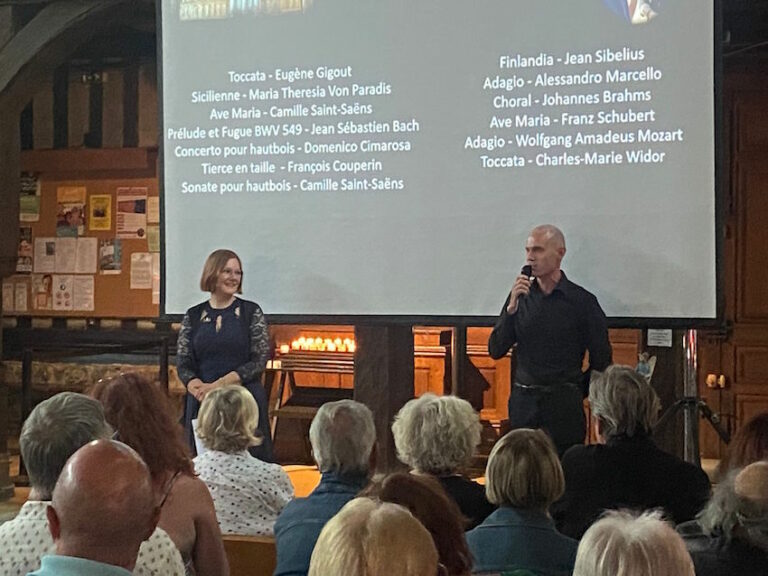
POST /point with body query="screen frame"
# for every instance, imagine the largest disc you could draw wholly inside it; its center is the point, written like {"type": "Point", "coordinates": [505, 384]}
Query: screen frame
{"type": "Point", "coordinates": [717, 322]}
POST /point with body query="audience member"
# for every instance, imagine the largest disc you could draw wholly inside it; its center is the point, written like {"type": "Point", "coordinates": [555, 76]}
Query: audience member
{"type": "Point", "coordinates": [343, 439]}
{"type": "Point", "coordinates": [749, 444]}
{"type": "Point", "coordinates": [438, 435]}
{"type": "Point", "coordinates": [626, 469]}
{"type": "Point", "coordinates": [425, 498]}
{"type": "Point", "coordinates": [55, 430]}
{"type": "Point", "coordinates": [368, 538]}
{"type": "Point", "coordinates": [624, 544]}
{"type": "Point", "coordinates": [730, 536]}
{"type": "Point", "coordinates": [142, 416]}
{"type": "Point", "coordinates": [248, 494]}
{"type": "Point", "coordinates": [523, 478]}
{"type": "Point", "coordinates": [103, 508]}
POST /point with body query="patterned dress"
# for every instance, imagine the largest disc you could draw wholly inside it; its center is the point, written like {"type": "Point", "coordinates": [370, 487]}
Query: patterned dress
{"type": "Point", "coordinates": [248, 494]}
{"type": "Point", "coordinates": [214, 342]}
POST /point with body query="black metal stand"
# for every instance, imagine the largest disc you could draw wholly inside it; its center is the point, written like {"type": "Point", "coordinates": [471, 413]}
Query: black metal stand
{"type": "Point", "coordinates": [693, 405]}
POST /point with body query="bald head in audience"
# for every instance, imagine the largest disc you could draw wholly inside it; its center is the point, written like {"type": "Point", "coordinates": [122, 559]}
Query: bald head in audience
{"type": "Point", "coordinates": [752, 484]}
{"type": "Point", "coordinates": [751, 488]}
{"type": "Point", "coordinates": [103, 506]}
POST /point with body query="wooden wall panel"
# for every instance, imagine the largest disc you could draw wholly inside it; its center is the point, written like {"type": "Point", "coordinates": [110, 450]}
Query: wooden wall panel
{"type": "Point", "coordinates": [148, 109]}
{"type": "Point", "coordinates": [753, 255]}
{"type": "Point", "coordinates": [42, 118]}
{"type": "Point", "coordinates": [78, 100]}
{"type": "Point", "coordinates": [739, 352]}
{"type": "Point", "coordinates": [112, 112]}
{"type": "Point", "coordinates": [421, 378]}
{"type": "Point", "coordinates": [749, 406]}
{"type": "Point", "coordinates": [750, 135]}
{"type": "Point", "coordinates": [752, 365]}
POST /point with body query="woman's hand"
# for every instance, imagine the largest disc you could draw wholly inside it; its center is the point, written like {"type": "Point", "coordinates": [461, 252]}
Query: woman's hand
{"type": "Point", "coordinates": [204, 389]}
{"type": "Point", "coordinates": [198, 388]}
{"type": "Point", "coordinates": [194, 386]}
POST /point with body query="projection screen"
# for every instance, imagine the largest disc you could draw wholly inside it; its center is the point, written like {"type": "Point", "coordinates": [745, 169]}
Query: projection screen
{"type": "Point", "coordinates": [388, 158]}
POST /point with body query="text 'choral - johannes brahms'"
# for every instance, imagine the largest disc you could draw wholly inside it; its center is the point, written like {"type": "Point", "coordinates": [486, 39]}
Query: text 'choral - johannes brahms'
{"type": "Point", "coordinates": [548, 101]}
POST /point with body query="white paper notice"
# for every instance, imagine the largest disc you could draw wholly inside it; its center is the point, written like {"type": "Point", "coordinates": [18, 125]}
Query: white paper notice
{"type": "Point", "coordinates": [131, 212]}
{"type": "Point", "coordinates": [155, 278]}
{"type": "Point", "coordinates": [66, 255]}
{"type": "Point", "coordinates": [141, 270]}
{"type": "Point", "coordinates": [20, 297]}
{"type": "Point", "coordinates": [63, 297]}
{"type": "Point", "coordinates": [660, 338]}
{"type": "Point", "coordinates": [45, 255]}
{"type": "Point", "coordinates": [8, 297]}
{"type": "Point", "coordinates": [153, 210]}
{"type": "Point", "coordinates": [83, 290]}
{"type": "Point", "coordinates": [85, 260]}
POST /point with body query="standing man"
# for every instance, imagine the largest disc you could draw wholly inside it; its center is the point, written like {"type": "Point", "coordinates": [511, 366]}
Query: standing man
{"type": "Point", "coordinates": [552, 322]}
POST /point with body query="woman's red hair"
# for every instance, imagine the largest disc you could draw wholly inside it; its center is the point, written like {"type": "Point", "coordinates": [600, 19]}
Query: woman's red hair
{"type": "Point", "coordinates": [426, 499]}
{"type": "Point", "coordinates": [142, 416]}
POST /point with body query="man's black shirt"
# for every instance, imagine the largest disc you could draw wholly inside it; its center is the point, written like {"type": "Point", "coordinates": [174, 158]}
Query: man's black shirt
{"type": "Point", "coordinates": [552, 332]}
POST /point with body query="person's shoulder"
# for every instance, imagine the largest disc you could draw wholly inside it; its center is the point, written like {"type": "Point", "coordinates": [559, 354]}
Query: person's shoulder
{"type": "Point", "coordinates": [202, 460]}
{"type": "Point", "coordinates": [264, 468]}
{"type": "Point", "coordinates": [194, 311]}
{"type": "Point", "coordinates": [159, 538]}
{"type": "Point", "coordinates": [570, 288]}
{"type": "Point", "coordinates": [295, 507]}
{"type": "Point", "coordinates": [582, 451]}
{"type": "Point", "coordinates": [159, 555]}
{"type": "Point", "coordinates": [275, 470]}
{"type": "Point", "coordinates": [583, 458]}
{"type": "Point", "coordinates": [190, 489]}
{"type": "Point", "coordinates": [249, 308]}
{"type": "Point", "coordinates": [248, 304]}
{"type": "Point", "coordinates": [670, 461]}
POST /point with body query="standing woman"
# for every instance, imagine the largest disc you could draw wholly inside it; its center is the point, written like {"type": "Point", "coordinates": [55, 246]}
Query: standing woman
{"type": "Point", "coordinates": [224, 340]}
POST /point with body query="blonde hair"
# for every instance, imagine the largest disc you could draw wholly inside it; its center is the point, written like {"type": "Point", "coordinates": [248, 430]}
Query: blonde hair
{"type": "Point", "coordinates": [624, 402]}
{"type": "Point", "coordinates": [370, 538]}
{"type": "Point", "coordinates": [436, 434]}
{"type": "Point", "coordinates": [214, 264]}
{"type": "Point", "coordinates": [523, 471]}
{"type": "Point", "coordinates": [228, 419]}
{"type": "Point", "coordinates": [624, 544]}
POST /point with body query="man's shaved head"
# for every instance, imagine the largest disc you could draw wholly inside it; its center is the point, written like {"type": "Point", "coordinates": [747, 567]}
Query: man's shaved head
{"type": "Point", "coordinates": [103, 506]}
{"type": "Point", "coordinates": [551, 233]}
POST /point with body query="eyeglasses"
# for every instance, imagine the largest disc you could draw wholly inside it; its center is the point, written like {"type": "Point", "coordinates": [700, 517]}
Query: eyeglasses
{"type": "Point", "coordinates": [230, 272]}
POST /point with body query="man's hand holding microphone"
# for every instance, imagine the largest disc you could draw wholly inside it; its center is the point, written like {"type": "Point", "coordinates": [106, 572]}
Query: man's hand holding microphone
{"type": "Point", "coordinates": [521, 287]}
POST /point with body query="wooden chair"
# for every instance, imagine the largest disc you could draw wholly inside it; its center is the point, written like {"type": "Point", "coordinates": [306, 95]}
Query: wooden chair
{"type": "Point", "coordinates": [304, 478]}
{"type": "Point", "coordinates": [302, 402]}
{"type": "Point", "coordinates": [250, 555]}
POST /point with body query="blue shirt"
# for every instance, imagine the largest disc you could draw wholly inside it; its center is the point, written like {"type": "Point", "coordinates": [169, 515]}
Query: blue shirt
{"type": "Point", "coordinates": [512, 538]}
{"type": "Point", "coordinates": [71, 566]}
{"type": "Point", "coordinates": [299, 524]}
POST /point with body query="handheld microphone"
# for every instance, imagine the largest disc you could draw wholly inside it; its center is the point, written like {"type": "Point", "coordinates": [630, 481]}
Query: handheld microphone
{"type": "Point", "coordinates": [527, 271]}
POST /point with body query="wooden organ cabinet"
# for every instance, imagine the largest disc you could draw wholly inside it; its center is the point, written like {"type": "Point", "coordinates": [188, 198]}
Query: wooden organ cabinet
{"type": "Point", "coordinates": [487, 381]}
{"type": "Point", "coordinates": [733, 363]}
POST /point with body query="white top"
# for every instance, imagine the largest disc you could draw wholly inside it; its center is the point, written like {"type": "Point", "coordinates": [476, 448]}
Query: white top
{"type": "Point", "coordinates": [25, 539]}
{"type": "Point", "coordinates": [248, 494]}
